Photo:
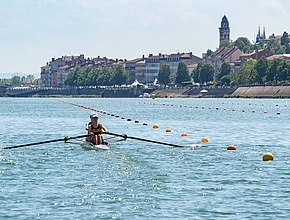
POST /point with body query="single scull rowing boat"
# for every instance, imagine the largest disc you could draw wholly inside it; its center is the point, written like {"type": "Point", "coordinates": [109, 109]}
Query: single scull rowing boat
{"type": "Point", "coordinates": [90, 146]}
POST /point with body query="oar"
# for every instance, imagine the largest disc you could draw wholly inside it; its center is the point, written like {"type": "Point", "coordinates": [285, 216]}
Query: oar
{"type": "Point", "coordinates": [65, 139]}
{"type": "Point", "coordinates": [142, 139]}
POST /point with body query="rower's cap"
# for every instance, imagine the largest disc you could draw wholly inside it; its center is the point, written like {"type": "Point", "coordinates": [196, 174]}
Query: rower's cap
{"type": "Point", "coordinates": [94, 115]}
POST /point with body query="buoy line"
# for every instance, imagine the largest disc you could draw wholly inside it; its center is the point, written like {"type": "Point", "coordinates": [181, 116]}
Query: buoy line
{"type": "Point", "coordinates": [210, 108]}
{"type": "Point", "coordinates": [136, 121]}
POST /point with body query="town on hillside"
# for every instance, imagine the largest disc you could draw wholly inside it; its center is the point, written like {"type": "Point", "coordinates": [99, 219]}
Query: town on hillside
{"type": "Point", "coordinates": [146, 68]}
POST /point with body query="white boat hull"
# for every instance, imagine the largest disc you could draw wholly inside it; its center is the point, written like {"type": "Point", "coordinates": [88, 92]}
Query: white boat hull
{"type": "Point", "coordinates": [91, 146]}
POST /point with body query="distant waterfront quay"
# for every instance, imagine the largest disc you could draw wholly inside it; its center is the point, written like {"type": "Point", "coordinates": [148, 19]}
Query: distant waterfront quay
{"type": "Point", "coordinates": [111, 92]}
{"type": "Point", "coordinates": [261, 91]}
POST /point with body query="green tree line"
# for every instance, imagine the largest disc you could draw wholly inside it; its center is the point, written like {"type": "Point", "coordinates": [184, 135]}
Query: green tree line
{"type": "Point", "coordinates": [104, 76]}
{"type": "Point", "coordinates": [263, 71]}
{"type": "Point", "coordinates": [20, 80]}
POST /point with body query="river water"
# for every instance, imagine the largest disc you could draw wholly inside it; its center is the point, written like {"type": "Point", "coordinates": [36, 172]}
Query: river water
{"type": "Point", "coordinates": [140, 179]}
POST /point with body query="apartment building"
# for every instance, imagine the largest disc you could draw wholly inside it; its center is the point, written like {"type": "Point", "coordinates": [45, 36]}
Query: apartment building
{"type": "Point", "coordinates": [223, 55]}
{"type": "Point", "coordinates": [145, 70]}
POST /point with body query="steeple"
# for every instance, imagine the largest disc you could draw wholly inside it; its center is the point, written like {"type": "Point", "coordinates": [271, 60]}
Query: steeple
{"type": "Point", "coordinates": [264, 33]}
{"type": "Point", "coordinates": [261, 36]}
{"type": "Point", "coordinates": [224, 29]}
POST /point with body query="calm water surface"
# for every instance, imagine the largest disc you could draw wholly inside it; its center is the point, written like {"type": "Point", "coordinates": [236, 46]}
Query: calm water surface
{"type": "Point", "coordinates": [144, 180]}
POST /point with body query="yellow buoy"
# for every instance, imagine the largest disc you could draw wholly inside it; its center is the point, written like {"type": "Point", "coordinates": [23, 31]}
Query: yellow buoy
{"type": "Point", "coordinates": [155, 126]}
{"type": "Point", "coordinates": [183, 134]}
{"type": "Point", "coordinates": [204, 139]}
{"type": "Point", "coordinates": [268, 156]}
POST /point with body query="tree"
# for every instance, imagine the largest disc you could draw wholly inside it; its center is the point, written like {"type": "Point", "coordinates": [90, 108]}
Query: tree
{"type": "Point", "coordinates": [275, 46]}
{"type": "Point", "coordinates": [261, 69]}
{"type": "Point", "coordinates": [203, 73]}
{"type": "Point", "coordinates": [164, 74]}
{"type": "Point", "coordinates": [30, 78]}
{"type": "Point", "coordinates": [243, 44]}
{"type": "Point", "coordinates": [207, 73]}
{"type": "Point", "coordinates": [72, 77]}
{"type": "Point", "coordinates": [226, 43]}
{"type": "Point", "coordinates": [15, 81]}
{"type": "Point", "coordinates": [182, 74]}
{"type": "Point", "coordinates": [224, 70]}
{"type": "Point", "coordinates": [244, 76]}
{"type": "Point", "coordinates": [120, 76]}
{"type": "Point", "coordinates": [282, 73]}
{"type": "Point", "coordinates": [273, 70]}
{"type": "Point", "coordinates": [226, 80]}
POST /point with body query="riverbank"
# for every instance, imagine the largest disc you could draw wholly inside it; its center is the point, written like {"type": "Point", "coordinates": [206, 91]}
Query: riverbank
{"type": "Point", "coordinates": [228, 92]}
{"type": "Point", "coordinates": [182, 92]}
{"type": "Point", "coordinates": [262, 92]}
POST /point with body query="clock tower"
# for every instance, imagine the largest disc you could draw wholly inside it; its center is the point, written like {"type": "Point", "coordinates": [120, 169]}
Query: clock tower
{"type": "Point", "coordinates": [224, 29]}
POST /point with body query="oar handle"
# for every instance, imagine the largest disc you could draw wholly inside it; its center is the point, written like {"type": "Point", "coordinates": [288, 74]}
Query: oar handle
{"type": "Point", "coordinates": [125, 136]}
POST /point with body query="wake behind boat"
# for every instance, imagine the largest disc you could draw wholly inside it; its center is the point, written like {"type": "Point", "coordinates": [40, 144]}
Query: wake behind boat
{"type": "Point", "coordinates": [90, 146]}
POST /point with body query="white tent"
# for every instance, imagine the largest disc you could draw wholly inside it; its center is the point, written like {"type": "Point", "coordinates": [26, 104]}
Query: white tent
{"type": "Point", "coordinates": [136, 83]}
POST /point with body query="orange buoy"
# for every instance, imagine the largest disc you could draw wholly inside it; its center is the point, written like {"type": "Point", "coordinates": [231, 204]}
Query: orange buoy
{"type": "Point", "coordinates": [129, 119]}
{"type": "Point", "coordinates": [136, 121]}
{"type": "Point", "coordinates": [168, 130]}
{"type": "Point", "coordinates": [204, 139]}
{"type": "Point", "coordinates": [268, 156]}
{"type": "Point", "coordinates": [155, 126]}
{"type": "Point", "coordinates": [183, 134]}
{"type": "Point", "coordinates": [112, 114]}
{"type": "Point", "coordinates": [231, 147]}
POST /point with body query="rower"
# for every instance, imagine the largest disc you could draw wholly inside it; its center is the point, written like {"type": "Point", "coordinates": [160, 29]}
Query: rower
{"type": "Point", "coordinates": [95, 129]}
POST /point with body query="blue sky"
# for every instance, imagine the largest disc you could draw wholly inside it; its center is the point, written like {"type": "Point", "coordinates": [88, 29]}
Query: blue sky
{"type": "Point", "coordinates": [34, 31]}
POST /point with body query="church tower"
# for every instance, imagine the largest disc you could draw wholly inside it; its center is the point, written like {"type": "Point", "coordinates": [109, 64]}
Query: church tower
{"type": "Point", "coordinates": [261, 36]}
{"type": "Point", "coordinates": [224, 29]}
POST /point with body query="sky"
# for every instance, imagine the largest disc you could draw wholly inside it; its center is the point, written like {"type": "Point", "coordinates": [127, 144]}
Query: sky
{"type": "Point", "coordinates": [32, 32]}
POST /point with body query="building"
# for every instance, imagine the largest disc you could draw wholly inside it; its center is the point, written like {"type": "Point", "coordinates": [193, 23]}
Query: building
{"type": "Point", "coordinates": [143, 69]}
{"type": "Point", "coordinates": [140, 71]}
{"type": "Point", "coordinates": [173, 61]}
{"type": "Point", "coordinates": [224, 29]}
{"type": "Point", "coordinates": [260, 36]}
{"type": "Point", "coordinates": [55, 72]}
{"type": "Point", "coordinates": [256, 54]}
{"type": "Point", "coordinates": [280, 56]}
{"type": "Point", "coordinates": [154, 63]}
{"type": "Point", "coordinates": [225, 55]}
{"type": "Point", "coordinates": [130, 66]}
